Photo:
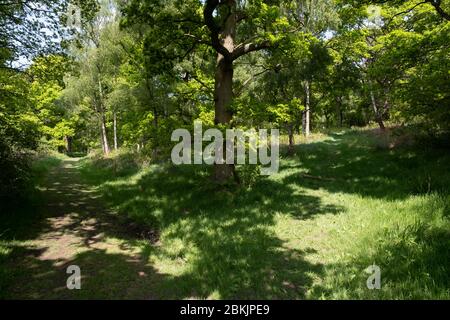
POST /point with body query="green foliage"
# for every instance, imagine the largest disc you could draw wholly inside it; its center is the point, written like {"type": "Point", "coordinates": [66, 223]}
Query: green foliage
{"type": "Point", "coordinates": [151, 77]}
{"type": "Point", "coordinates": [135, 71]}
{"type": "Point", "coordinates": [19, 132]}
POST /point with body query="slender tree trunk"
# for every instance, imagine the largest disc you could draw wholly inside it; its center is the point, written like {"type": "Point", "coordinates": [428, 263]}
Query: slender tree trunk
{"type": "Point", "coordinates": [306, 114]}
{"type": "Point", "coordinates": [68, 141]}
{"type": "Point", "coordinates": [339, 111]}
{"type": "Point", "coordinates": [155, 113]}
{"type": "Point", "coordinates": [155, 124]}
{"type": "Point", "coordinates": [291, 139]}
{"type": "Point", "coordinates": [223, 94]}
{"type": "Point", "coordinates": [386, 102]}
{"type": "Point", "coordinates": [115, 130]}
{"type": "Point", "coordinates": [155, 117]}
{"type": "Point", "coordinates": [104, 134]}
{"type": "Point", "coordinates": [378, 116]}
{"type": "Point", "coordinates": [327, 119]}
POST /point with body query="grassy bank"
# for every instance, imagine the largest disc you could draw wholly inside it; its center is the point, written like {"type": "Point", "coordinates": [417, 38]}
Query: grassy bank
{"type": "Point", "coordinates": [345, 201]}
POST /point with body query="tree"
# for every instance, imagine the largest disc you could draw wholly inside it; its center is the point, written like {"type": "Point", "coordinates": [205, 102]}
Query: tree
{"type": "Point", "coordinates": [99, 58]}
{"type": "Point", "coordinates": [21, 26]}
{"type": "Point", "coordinates": [21, 40]}
{"type": "Point", "coordinates": [407, 39]}
{"type": "Point", "coordinates": [236, 28]}
{"type": "Point", "coordinates": [441, 8]}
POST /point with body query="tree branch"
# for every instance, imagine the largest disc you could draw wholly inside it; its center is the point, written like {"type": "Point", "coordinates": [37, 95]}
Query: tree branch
{"type": "Point", "coordinates": [243, 49]}
{"type": "Point", "coordinates": [406, 11]}
{"type": "Point", "coordinates": [437, 5]}
{"type": "Point", "coordinates": [208, 11]}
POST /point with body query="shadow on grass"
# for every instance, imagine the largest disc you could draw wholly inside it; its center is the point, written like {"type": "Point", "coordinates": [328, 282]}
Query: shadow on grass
{"type": "Point", "coordinates": [71, 228]}
{"type": "Point", "coordinates": [360, 163]}
{"type": "Point", "coordinates": [227, 247]}
{"type": "Point", "coordinates": [104, 275]}
{"type": "Point", "coordinates": [226, 244]}
{"type": "Point", "coordinates": [222, 243]}
{"type": "Point", "coordinates": [414, 264]}
{"type": "Point", "coordinates": [218, 243]}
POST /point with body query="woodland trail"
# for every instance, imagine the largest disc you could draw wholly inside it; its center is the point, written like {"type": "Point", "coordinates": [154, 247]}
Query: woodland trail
{"type": "Point", "coordinates": [78, 229]}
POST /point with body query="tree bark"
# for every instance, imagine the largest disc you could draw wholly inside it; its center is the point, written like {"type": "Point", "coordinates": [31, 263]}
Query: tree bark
{"type": "Point", "coordinates": [291, 139]}
{"type": "Point", "coordinates": [222, 40]}
{"type": "Point", "coordinates": [104, 134]}
{"type": "Point", "coordinates": [376, 110]}
{"type": "Point", "coordinates": [115, 130]}
{"type": "Point", "coordinates": [339, 111]}
{"type": "Point", "coordinates": [68, 141]}
{"type": "Point", "coordinates": [306, 123]}
{"type": "Point", "coordinates": [223, 90]}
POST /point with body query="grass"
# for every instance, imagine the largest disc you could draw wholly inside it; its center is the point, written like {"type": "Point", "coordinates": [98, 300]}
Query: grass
{"type": "Point", "coordinates": [288, 236]}
{"type": "Point", "coordinates": [43, 164]}
{"type": "Point", "coordinates": [379, 200]}
{"type": "Point", "coordinates": [19, 222]}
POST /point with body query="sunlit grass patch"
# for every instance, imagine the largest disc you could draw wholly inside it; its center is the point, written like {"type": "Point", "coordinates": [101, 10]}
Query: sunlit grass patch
{"type": "Point", "coordinates": [337, 206]}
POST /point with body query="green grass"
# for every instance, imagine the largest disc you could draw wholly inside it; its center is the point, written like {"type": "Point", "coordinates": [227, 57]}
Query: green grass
{"type": "Point", "coordinates": [17, 220]}
{"type": "Point", "coordinates": [344, 201]}
{"type": "Point", "coordinates": [18, 223]}
{"type": "Point", "coordinates": [42, 164]}
{"type": "Point", "coordinates": [96, 168]}
{"type": "Point", "coordinates": [289, 236]}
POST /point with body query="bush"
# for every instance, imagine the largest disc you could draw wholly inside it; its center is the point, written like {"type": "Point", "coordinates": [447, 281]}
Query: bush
{"type": "Point", "coordinates": [14, 175]}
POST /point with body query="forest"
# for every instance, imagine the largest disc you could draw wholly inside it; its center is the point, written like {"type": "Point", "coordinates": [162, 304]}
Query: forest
{"type": "Point", "coordinates": [92, 91]}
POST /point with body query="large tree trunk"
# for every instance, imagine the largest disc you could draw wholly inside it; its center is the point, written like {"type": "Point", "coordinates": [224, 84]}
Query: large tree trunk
{"type": "Point", "coordinates": [222, 40]}
{"type": "Point", "coordinates": [306, 114]}
{"type": "Point", "coordinates": [376, 110]}
{"type": "Point", "coordinates": [115, 130]}
{"type": "Point", "coordinates": [223, 94]}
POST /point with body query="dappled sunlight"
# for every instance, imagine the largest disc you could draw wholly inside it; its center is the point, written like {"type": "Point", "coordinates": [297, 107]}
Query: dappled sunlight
{"type": "Point", "coordinates": [168, 232]}
{"type": "Point", "coordinates": [412, 252]}
{"type": "Point", "coordinates": [352, 164]}
{"type": "Point", "coordinates": [226, 244]}
{"type": "Point", "coordinates": [79, 230]}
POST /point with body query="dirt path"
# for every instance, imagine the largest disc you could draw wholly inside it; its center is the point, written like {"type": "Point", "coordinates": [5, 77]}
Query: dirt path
{"type": "Point", "coordinates": [78, 229]}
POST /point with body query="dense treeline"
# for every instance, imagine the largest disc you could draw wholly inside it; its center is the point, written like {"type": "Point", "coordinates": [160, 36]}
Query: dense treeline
{"type": "Point", "coordinates": [111, 74]}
